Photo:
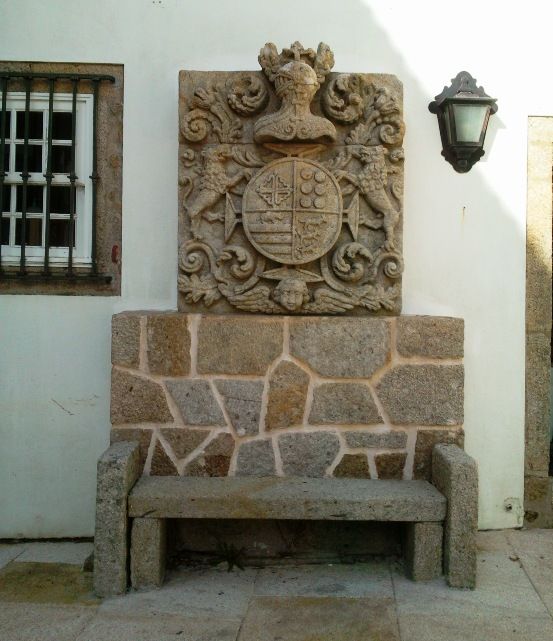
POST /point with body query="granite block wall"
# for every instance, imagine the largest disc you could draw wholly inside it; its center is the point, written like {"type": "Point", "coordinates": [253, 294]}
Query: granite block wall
{"type": "Point", "coordinates": [299, 396]}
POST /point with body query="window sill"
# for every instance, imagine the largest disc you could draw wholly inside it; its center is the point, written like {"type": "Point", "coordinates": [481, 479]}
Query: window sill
{"type": "Point", "coordinates": [57, 282]}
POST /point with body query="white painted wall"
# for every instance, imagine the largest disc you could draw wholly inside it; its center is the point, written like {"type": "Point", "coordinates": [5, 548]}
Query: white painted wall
{"type": "Point", "coordinates": [464, 235]}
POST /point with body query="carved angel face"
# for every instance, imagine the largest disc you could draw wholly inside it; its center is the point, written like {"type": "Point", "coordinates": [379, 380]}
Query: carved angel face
{"type": "Point", "coordinates": [291, 293]}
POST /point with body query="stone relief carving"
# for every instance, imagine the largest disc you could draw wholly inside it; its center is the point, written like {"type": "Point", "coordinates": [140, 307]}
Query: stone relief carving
{"type": "Point", "coordinates": [291, 188]}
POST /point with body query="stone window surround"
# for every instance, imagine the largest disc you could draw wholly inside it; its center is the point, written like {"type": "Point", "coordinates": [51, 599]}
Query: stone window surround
{"type": "Point", "coordinates": [537, 483]}
{"type": "Point", "coordinates": [109, 191]}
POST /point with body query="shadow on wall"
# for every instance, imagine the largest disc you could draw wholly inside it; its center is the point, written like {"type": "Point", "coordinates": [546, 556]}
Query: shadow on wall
{"type": "Point", "coordinates": [463, 250]}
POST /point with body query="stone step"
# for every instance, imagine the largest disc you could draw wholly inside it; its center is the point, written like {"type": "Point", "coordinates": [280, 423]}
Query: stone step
{"type": "Point", "coordinates": [286, 498]}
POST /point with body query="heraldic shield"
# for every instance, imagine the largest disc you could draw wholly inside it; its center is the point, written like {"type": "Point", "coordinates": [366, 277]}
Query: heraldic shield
{"type": "Point", "coordinates": [292, 210]}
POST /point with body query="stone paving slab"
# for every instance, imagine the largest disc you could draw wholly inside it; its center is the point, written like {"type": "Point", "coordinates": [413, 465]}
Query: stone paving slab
{"type": "Point", "coordinates": [9, 552]}
{"type": "Point", "coordinates": [159, 628]}
{"type": "Point", "coordinates": [74, 553]}
{"type": "Point", "coordinates": [326, 618]}
{"type": "Point", "coordinates": [534, 548]}
{"type": "Point", "coordinates": [59, 583]}
{"type": "Point", "coordinates": [40, 622]}
{"type": "Point", "coordinates": [503, 607]}
{"type": "Point", "coordinates": [203, 593]}
{"type": "Point", "coordinates": [336, 580]}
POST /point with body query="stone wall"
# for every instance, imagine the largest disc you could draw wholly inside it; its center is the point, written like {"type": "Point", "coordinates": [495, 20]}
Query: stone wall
{"type": "Point", "coordinates": [254, 395]}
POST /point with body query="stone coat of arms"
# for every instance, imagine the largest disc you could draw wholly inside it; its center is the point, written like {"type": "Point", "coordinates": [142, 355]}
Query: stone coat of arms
{"type": "Point", "coordinates": [291, 187]}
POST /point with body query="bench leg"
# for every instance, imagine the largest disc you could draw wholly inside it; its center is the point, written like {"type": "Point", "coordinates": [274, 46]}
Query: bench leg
{"type": "Point", "coordinates": [423, 551]}
{"type": "Point", "coordinates": [455, 474]}
{"type": "Point", "coordinates": [148, 546]}
{"type": "Point", "coordinates": [118, 470]}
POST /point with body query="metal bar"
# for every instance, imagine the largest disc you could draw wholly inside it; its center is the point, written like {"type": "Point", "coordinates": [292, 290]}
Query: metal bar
{"type": "Point", "coordinates": [2, 151]}
{"type": "Point", "coordinates": [48, 176]}
{"type": "Point", "coordinates": [25, 174]}
{"type": "Point", "coordinates": [94, 176]}
{"type": "Point", "coordinates": [72, 178]}
{"type": "Point", "coordinates": [56, 76]}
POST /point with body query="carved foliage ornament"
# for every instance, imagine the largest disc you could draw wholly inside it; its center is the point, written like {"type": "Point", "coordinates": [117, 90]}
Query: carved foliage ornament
{"type": "Point", "coordinates": [291, 187]}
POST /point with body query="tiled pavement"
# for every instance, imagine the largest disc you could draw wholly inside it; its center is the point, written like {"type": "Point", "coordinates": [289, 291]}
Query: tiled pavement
{"type": "Point", "coordinates": [44, 596]}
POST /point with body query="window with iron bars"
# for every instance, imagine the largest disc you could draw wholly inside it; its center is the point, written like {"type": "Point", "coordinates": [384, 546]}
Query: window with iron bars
{"type": "Point", "coordinates": [49, 176]}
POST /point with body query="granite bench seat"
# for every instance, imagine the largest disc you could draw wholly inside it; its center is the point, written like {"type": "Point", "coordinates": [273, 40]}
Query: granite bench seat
{"type": "Point", "coordinates": [146, 503]}
{"type": "Point", "coordinates": [285, 498]}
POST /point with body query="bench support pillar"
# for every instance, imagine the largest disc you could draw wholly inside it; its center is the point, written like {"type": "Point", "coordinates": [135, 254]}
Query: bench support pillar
{"type": "Point", "coordinates": [118, 470]}
{"type": "Point", "coordinates": [455, 475]}
{"type": "Point", "coordinates": [148, 548]}
{"type": "Point", "coordinates": [423, 551]}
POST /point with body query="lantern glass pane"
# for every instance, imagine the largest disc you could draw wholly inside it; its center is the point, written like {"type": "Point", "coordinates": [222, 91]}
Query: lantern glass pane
{"type": "Point", "coordinates": [469, 121]}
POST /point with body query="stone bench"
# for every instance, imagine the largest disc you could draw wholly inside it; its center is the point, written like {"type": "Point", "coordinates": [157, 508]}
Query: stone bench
{"type": "Point", "coordinates": [148, 502]}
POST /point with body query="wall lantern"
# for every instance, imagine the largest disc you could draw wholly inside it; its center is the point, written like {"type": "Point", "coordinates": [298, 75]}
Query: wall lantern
{"type": "Point", "coordinates": [463, 111]}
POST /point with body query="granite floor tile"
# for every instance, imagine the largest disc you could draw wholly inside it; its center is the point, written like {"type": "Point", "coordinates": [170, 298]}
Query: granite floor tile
{"type": "Point", "coordinates": [503, 607]}
{"type": "Point", "coordinates": [340, 580]}
{"type": "Point", "coordinates": [41, 622]}
{"type": "Point", "coordinates": [534, 548]}
{"type": "Point", "coordinates": [9, 552]}
{"type": "Point", "coordinates": [159, 627]}
{"type": "Point", "coordinates": [200, 593]}
{"type": "Point", "coordinates": [320, 619]}
{"type": "Point", "coordinates": [54, 552]}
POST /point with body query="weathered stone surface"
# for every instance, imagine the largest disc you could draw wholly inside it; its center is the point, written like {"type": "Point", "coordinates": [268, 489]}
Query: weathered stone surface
{"type": "Point", "coordinates": [353, 466]}
{"type": "Point", "coordinates": [238, 345]}
{"type": "Point", "coordinates": [342, 404]}
{"type": "Point", "coordinates": [455, 474]}
{"type": "Point", "coordinates": [286, 498]}
{"type": "Point", "coordinates": [537, 502]}
{"type": "Point", "coordinates": [162, 465]}
{"type": "Point", "coordinates": [148, 549]}
{"type": "Point", "coordinates": [308, 454]}
{"type": "Point", "coordinates": [538, 403]}
{"type": "Point", "coordinates": [118, 470]}
{"type": "Point", "coordinates": [423, 551]}
{"type": "Point", "coordinates": [389, 465]}
{"type": "Point", "coordinates": [539, 509]}
{"type": "Point", "coordinates": [196, 402]}
{"type": "Point", "coordinates": [125, 339]}
{"type": "Point", "coordinates": [137, 400]}
{"type": "Point", "coordinates": [287, 395]}
{"type": "Point", "coordinates": [430, 336]}
{"type": "Point", "coordinates": [341, 347]}
{"type": "Point", "coordinates": [142, 436]}
{"type": "Point", "coordinates": [250, 132]}
{"type": "Point", "coordinates": [168, 344]}
{"type": "Point", "coordinates": [423, 394]}
{"type": "Point", "coordinates": [382, 440]}
{"type": "Point", "coordinates": [242, 401]}
{"type": "Point", "coordinates": [256, 458]}
{"type": "Point", "coordinates": [426, 439]}
{"type": "Point", "coordinates": [215, 459]}
{"type": "Point", "coordinates": [183, 441]}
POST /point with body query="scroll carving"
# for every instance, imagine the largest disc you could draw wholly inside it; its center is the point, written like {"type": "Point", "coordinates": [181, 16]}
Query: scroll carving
{"type": "Point", "coordinates": [291, 187]}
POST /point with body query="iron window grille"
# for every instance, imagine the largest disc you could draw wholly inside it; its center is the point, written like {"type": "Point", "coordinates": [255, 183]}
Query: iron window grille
{"type": "Point", "coordinates": [47, 210]}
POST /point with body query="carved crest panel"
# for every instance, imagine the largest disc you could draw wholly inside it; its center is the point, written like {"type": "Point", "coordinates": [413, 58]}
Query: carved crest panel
{"type": "Point", "coordinates": [291, 188]}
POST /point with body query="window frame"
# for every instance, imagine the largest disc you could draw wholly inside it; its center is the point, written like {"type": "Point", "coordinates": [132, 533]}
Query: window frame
{"type": "Point", "coordinates": [34, 254]}
{"type": "Point", "coordinates": [105, 81]}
